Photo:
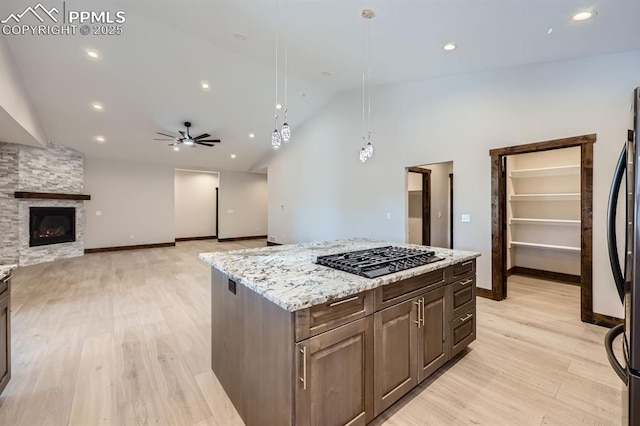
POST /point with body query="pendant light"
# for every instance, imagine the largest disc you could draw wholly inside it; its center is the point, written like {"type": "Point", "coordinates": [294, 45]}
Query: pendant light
{"type": "Point", "coordinates": [286, 130]}
{"type": "Point", "coordinates": [366, 151]}
{"type": "Point", "coordinates": [276, 138]}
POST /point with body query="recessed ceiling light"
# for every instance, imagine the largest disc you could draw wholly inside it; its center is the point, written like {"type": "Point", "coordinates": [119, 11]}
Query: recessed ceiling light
{"type": "Point", "coordinates": [175, 148]}
{"type": "Point", "coordinates": [583, 16]}
{"type": "Point", "coordinates": [239, 37]}
{"type": "Point", "coordinates": [278, 106]}
{"type": "Point", "coordinates": [251, 135]}
{"type": "Point", "coordinates": [233, 156]}
{"type": "Point", "coordinates": [100, 139]}
{"type": "Point", "coordinates": [97, 106]}
{"type": "Point", "coordinates": [205, 84]}
{"type": "Point", "coordinates": [549, 31]}
{"type": "Point", "coordinates": [92, 54]}
{"type": "Point", "coordinates": [449, 47]}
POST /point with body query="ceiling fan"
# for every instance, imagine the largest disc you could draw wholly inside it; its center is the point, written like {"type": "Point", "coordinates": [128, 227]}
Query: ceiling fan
{"type": "Point", "coordinates": [185, 138]}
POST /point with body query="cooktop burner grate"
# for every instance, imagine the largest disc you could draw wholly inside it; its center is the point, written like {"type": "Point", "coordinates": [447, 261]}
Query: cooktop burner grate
{"type": "Point", "coordinates": [375, 262]}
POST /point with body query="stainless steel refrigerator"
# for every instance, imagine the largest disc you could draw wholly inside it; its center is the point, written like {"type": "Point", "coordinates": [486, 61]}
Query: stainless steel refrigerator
{"type": "Point", "coordinates": [627, 276]}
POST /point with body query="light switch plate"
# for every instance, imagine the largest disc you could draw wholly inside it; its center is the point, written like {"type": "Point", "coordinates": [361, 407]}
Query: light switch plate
{"type": "Point", "coordinates": [465, 218]}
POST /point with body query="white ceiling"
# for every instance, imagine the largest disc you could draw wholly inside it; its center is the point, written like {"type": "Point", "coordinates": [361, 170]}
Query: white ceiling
{"type": "Point", "coordinates": [148, 78]}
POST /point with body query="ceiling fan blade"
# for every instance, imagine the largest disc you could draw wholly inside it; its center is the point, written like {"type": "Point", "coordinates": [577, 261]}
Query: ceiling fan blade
{"type": "Point", "coordinates": [205, 144]}
{"type": "Point", "coordinates": [182, 134]}
{"type": "Point", "coordinates": [164, 134]}
{"type": "Point", "coordinates": [202, 136]}
{"type": "Point", "coordinates": [172, 139]}
{"type": "Point", "coordinates": [211, 140]}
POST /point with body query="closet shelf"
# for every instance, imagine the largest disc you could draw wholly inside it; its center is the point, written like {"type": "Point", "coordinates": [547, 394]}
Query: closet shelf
{"type": "Point", "coordinates": [569, 222]}
{"type": "Point", "coordinates": [547, 171]}
{"type": "Point", "coordinates": [544, 246]}
{"type": "Point", "coordinates": [568, 196]}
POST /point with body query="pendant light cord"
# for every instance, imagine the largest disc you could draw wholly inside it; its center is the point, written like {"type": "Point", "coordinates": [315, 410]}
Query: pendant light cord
{"type": "Point", "coordinates": [277, 40]}
{"type": "Point", "coordinates": [369, 71]}
{"type": "Point", "coordinates": [286, 59]}
{"type": "Point", "coordinates": [364, 53]}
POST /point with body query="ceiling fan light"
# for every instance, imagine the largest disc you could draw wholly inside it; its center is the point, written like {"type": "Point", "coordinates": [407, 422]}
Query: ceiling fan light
{"type": "Point", "coordinates": [276, 139]}
{"type": "Point", "coordinates": [286, 132]}
{"type": "Point", "coordinates": [188, 142]}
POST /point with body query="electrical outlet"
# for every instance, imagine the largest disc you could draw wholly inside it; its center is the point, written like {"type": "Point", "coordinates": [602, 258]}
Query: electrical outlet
{"type": "Point", "coordinates": [230, 211]}
{"type": "Point", "coordinates": [272, 238]}
{"type": "Point", "coordinates": [466, 218]}
{"type": "Point", "coordinates": [388, 215]}
{"type": "Point", "coordinates": [131, 237]}
{"type": "Point", "coordinates": [98, 213]}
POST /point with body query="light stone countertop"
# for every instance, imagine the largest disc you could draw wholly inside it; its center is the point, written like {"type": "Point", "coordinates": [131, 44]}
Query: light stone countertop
{"type": "Point", "coordinates": [6, 270]}
{"type": "Point", "coordinates": [288, 276]}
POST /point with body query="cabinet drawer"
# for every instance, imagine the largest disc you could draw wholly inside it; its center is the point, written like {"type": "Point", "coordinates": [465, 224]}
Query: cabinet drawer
{"type": "Point", "coordinates": [462, 331]}
{"type": "Point", "coordinates": [390, 294]}
{"type": "Point", "coordinates": [462, 295]}
{"type": "Point", "coordinates": [464, 268]}
{"type": "Point", "coordinates": [326, 316]}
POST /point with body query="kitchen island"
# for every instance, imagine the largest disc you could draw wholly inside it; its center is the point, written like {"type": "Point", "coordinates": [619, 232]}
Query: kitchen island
{"type": "Point", "coordinates": [294, 342]}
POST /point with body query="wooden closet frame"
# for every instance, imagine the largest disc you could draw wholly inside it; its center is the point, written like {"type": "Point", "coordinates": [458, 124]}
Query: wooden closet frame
{"type": "Point", "coordinates": [499, 221]}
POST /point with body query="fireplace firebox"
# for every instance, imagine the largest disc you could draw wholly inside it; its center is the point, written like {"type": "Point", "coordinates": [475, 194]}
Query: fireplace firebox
{"type": "Point", "coordinates": [51, 225]}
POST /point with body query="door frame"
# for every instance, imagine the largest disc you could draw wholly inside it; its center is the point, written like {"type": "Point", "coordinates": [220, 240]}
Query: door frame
{"type": "Point", "coordinates": [499, 220]}
{"type": "Point", "coordinates": [426, 202]}
{"type": "Point", "coordinates": [217, 209]}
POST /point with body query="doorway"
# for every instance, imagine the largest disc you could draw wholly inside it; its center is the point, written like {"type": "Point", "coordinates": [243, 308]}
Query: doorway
{"type": "Point", "coordinates": [430, 204]}
{"type": "Point", "coordinates": [499, 214]}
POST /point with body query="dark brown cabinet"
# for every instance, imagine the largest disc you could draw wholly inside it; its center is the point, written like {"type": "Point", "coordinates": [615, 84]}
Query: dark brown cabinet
{"type": "Point", "coordinates": [334, 376]}
{"type": "Point", "coordinates": [395, 340]}
{"type": "Point", "coordinates": [432, 350]}
{"type": "Point", "coordinates": [5, 332]}
{"type": "Point", "coordinates": [410, 345]}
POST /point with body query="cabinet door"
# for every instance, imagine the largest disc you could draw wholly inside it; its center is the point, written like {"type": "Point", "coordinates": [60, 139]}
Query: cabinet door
{"type": "Point", "coordinates": [334, 376]}
{"type": "Point", "coordinates": [5, 340]}
{"type": "Point", "coordinates": [395, 340]}
{"type": "Point", "coordinates": [432, 349]}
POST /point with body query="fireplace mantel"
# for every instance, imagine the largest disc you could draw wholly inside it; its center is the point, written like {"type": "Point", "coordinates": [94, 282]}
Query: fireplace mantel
{"type": "Point", "coordinates": [51, 196]}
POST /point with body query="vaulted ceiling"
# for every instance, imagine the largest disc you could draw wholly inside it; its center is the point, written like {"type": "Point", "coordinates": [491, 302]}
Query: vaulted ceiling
{"type": "Point", "coordinates": [149, 78]}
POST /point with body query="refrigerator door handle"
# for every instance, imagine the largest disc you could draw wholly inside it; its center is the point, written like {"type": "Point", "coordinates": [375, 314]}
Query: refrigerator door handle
{"type": "Point", "coordinates": [612, 240]}
{"type": "Point", "coordinates": [608, 344]}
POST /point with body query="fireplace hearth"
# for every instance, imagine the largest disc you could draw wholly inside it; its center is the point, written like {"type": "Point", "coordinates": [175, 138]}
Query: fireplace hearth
{"type": "Point", "coordinates": [51, 225]}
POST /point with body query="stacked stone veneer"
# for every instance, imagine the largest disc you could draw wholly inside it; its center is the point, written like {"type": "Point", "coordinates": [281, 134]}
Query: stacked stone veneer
{"type": "Point", "coordinates": [23, 168]}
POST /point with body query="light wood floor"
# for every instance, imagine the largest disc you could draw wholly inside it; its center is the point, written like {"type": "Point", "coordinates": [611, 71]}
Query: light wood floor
{"type": "Point", "coordinates": [123, 339]}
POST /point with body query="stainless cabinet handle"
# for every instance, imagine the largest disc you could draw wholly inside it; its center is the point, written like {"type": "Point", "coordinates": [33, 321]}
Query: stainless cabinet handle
{"type": "Point", "coordinates": [419, 321]}
{"type": "Point", "coordinates": [351, 299]}
{"type": "Point", "coordinates": [7, 278]}
{"type": "Point", "coordinates": [303, 379]}
{"type": "Point", "coordinates": [466, 317]}
{"type": "Point", "coordinates": [468, 262]}
{"type": "Point", "coordinates": [422, 316]}
{"type": "Point", "coordinates": [465, 282]}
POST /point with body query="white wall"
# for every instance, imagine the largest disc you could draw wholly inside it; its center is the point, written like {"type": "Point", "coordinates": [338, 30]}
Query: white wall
{"type": "Point", "coordinates": [195, 204]}
{"type": "Point", "coordinates": [243, 205]}
{"type": "Point", "coordinates": [23, 126]}
{"type": "Point", "coordinates": [136, 202]}
{"type": "Point", "coordinates": [327, 193]}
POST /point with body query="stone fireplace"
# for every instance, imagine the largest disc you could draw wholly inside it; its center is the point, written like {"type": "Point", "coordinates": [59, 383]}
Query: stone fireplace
{"type": "Point", "coordinates": [56, 170]}
{"type": "Point", "coordinates": [51, 225]}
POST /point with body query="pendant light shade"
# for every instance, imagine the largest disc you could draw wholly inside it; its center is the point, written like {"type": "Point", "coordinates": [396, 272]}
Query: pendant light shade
{"type": "Point", "coordinates": [363, 154]}
{"type": "Point", "coordinates": [369, 149]}
{"type": "Point", "coordinates": [276, 139]}
{"type": "Point", "coordinates": [286, 130]}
